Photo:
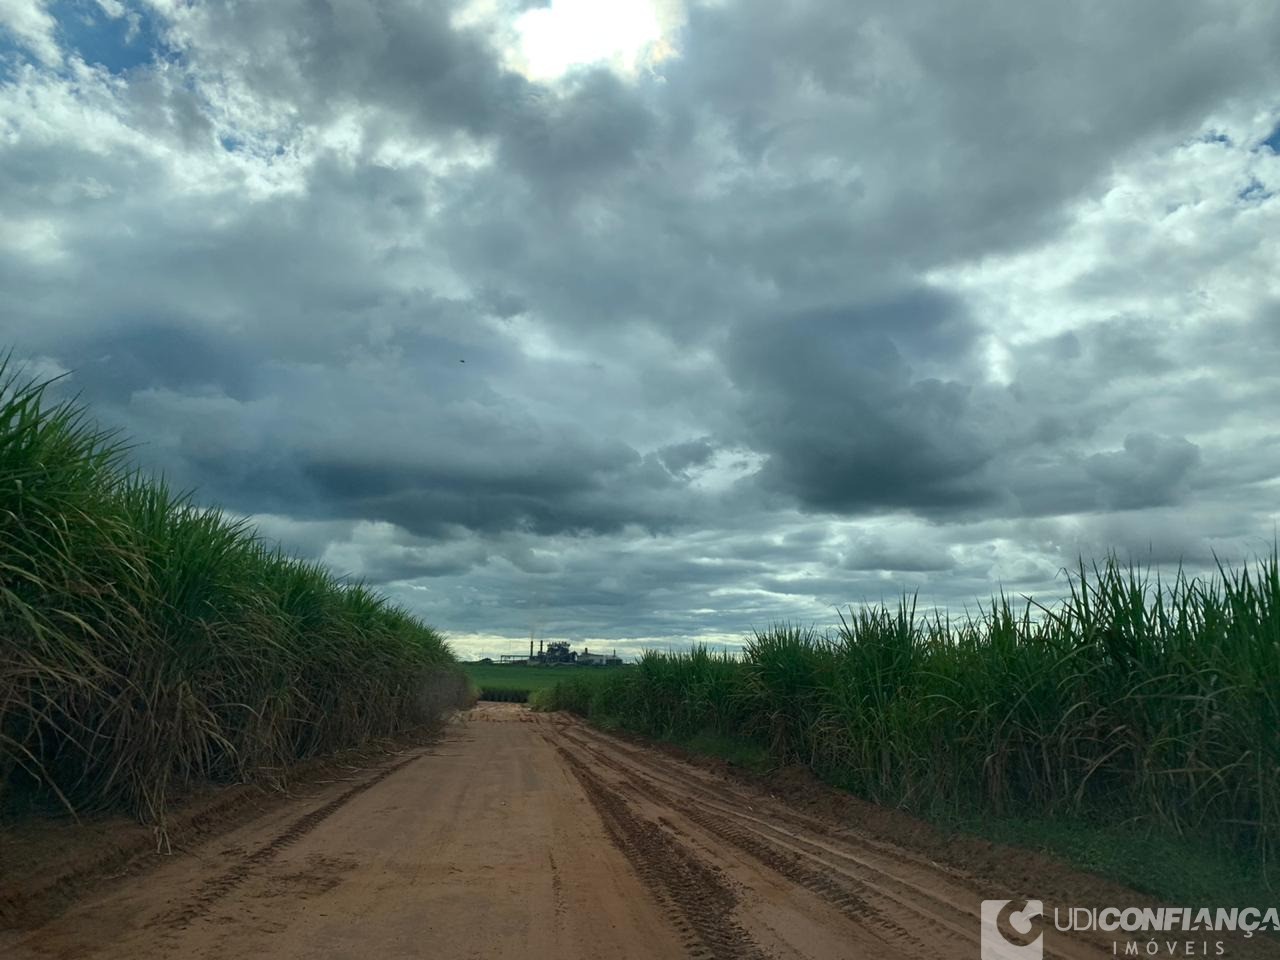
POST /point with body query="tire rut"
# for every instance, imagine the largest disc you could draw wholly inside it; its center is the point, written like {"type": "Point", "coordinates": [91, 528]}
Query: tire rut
{"type": "Point", "coordinates": [803, 859]}
{"type": "Point", "coordinates": [846, 894]}
{"type": "Point", "coordinates": [214, 889]}
{"type": "Point", "coordinates": [694, 894]}
{"type": "Point", "coordinates": [674, 772]}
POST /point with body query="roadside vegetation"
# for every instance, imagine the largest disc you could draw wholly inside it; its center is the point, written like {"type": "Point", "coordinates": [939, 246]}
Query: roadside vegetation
{"type": "Point", "coordinates": [148, 644]}
{"type": "Point", "coordinates": [1135, 702]}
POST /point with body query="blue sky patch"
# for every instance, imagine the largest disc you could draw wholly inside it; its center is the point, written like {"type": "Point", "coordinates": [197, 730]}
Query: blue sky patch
{"type": "Point", "coordinates": [1255, 192]}
{"type": "Point", "coordinates": [119, 44]}
{"type": "Point", "coordinates": [1273, 141]}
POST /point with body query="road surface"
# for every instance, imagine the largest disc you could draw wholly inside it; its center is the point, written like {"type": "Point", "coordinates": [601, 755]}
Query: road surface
{"type": "Point", "coordinates": [532, 836]}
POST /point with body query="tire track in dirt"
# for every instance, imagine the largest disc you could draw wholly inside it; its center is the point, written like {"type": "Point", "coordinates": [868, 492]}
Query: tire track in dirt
{"type": "Point", "coordinates": [698, 900]}
{"type": "Point", "coordinates": [214, 889]}
{"type": "Point", "coordinates": [862, 890]}
{"type": "Point", "coordinates": [557, 887]}
{"type": "Point", "coordinates": [690, 779]}
{"type": "Point", "coordinates": [682, 775]}
{"type": "Point", "coordinates": [846, 894]}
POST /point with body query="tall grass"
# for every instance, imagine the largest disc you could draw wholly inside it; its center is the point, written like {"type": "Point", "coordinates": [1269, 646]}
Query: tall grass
{"type": "Point", "coordinates": [1133, 699]}
{"type": "Point", "coordinates": [147, 643]}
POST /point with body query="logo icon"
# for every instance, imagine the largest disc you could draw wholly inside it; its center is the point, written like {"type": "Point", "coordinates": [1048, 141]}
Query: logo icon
{"type": "Point", "coordinates": [1014, 941]}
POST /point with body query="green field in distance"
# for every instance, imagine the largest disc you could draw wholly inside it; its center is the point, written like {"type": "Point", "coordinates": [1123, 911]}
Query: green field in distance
{"type": "Point", "coordinates": [515, 677]}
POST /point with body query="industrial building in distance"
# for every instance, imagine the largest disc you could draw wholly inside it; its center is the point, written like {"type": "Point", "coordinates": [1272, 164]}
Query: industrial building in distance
{"type": "Point", "coordinates": [557, 653]}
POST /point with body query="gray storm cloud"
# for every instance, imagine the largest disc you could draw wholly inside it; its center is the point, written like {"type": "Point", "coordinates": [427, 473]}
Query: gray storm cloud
{"type": "Point", "coordinates": [829, 302]}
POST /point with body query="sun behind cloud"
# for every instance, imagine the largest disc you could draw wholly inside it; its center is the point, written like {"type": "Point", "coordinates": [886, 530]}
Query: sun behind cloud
{"type": "Point", "coordinates": [628, 35]}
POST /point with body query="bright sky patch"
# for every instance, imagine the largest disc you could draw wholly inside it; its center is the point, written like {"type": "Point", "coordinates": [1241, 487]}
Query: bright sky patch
{"type": "Point", "coordinates": [625, 34]}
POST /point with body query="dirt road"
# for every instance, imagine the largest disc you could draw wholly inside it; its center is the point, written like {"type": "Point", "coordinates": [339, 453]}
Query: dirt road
{"type": "Point", "coordinates": [532, 836]}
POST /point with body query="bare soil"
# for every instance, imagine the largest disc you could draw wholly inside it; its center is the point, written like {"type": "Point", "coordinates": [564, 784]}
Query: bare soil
{"type": "Point", "coordinates": [528, 835]}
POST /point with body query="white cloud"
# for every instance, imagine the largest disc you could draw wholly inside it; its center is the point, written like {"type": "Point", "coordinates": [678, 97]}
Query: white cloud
{"type": "Point", "coordinates": [31, 25]}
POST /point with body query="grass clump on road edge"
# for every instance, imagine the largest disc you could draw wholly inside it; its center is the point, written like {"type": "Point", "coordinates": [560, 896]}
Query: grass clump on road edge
{"type": "Point", "coordinates": [147, 644]}
{"type": "Point", "coordinates": [1145, 703]}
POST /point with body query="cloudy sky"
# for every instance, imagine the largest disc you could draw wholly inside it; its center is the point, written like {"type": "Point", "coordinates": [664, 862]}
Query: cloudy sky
{"type": "Point", "coordinates": [634, 321]}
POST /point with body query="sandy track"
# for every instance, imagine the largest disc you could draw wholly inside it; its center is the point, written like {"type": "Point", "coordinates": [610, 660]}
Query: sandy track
{"type": "Point", "coordinates": [523, 835]}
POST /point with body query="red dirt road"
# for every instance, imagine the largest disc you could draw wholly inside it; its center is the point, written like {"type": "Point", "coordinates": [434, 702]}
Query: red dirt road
{"type": "Point", "coordinates": [533, 836]}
